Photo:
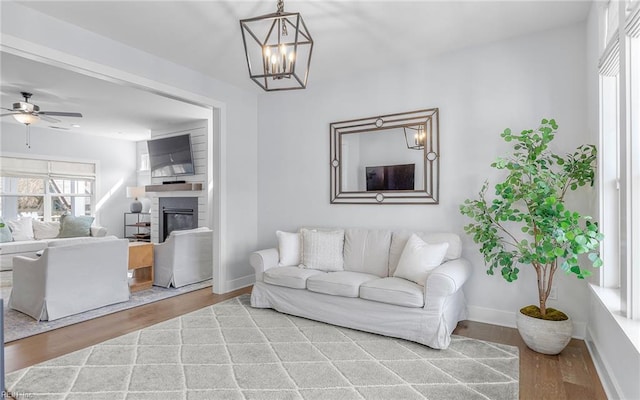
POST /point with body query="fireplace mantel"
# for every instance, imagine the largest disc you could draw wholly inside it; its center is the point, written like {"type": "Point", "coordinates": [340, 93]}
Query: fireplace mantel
{"type": "Point", "coordinates": [174, 187]}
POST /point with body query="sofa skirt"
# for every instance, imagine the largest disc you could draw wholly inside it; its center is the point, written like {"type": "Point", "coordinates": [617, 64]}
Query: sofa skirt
{"type": "Point", "coordinates": [415, 324]}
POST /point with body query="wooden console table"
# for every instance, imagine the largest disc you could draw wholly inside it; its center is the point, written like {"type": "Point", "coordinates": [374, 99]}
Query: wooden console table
{"type": "Point", "coordinates": [141, 264]}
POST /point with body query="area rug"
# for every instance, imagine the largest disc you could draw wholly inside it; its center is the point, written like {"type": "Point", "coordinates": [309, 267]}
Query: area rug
{"type": "Point", "coordinates": [232, 351]}
{"type": "Point", "coordinates": [18, 325]}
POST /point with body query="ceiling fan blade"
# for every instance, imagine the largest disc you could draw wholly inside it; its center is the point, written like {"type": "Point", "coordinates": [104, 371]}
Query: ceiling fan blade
{"type": "Point", "coordinates": [4, 115]}
{"type": "Point", "coordinates": [61, 114]}
{"type": "Point", "coordinates": [48, 119]}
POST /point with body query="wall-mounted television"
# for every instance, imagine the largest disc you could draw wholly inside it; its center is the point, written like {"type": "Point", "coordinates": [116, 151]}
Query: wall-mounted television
{"type": "Point", "coordinates": [391, 177]}
{"type": "Point", "coordinates": [170, 156]}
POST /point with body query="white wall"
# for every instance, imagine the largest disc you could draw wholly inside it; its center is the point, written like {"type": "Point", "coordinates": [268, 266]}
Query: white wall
{"type": "Point", "coordinates": [480, 91]}
{"type": "Point", "coordinates": [27, 28]}
{"type": "Point", "coordinates": [116, 167]}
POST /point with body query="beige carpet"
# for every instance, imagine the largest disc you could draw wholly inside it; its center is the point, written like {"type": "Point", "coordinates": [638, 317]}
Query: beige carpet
{"type": "Point", "coordinates": [232, 351]}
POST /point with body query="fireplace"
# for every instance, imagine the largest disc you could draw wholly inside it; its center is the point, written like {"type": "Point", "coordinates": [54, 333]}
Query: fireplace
{"type": "Point", "coordinates": [176, 214]}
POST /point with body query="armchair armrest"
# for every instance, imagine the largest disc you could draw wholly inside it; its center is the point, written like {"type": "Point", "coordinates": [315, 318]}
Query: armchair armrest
{"type": "Point", "coordinates": [448, 278]}
{"type": "Point", "coordinates": [263, 260]}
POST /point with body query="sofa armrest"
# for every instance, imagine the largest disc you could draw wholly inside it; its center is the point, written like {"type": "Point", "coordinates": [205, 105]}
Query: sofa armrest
{"type": "Point", "coordinates": [448, 278]}
{"type": "Point", "coordinates": [29, 285]}
{"type": "Point", "coordinates": [263, 260]}
{"type": "Point", "coordinates": [98, 231]}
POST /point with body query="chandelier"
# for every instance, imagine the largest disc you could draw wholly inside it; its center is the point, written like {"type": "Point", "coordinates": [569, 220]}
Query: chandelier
{"type": "Point", "coordinates": [415, 136]}
{"type": "Point", "coordinates": [278, 49]}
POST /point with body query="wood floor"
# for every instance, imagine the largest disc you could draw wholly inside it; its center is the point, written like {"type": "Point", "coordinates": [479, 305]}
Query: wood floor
{"type": "Point", "coordinates": [570, 375]}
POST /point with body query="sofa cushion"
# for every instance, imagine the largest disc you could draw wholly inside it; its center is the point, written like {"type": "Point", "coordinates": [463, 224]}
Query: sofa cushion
{"type": "Point", "coordinates": [21, 229]}
{"type": "Point", "coordinates": [341, 283]}
{"type": "Point", "coordinates": [399, 241]}
{"type": "Point", "coordinates": [418, 259]}
{"type": "Point", "coordinates": [75, 226]}
{"type": "Point", "coordinates": [323, 250]}
{"type": "Point", "coordinates": [367, 250]}
{"type": "Point", "coordinates": [45, 229]}
{"type": "Point", "coordinates": [5, 232]}
{"type": "Point", "coordinates": [292, 277]}
{"type": "Point", "coordinates": [289, 247]}
{"type": "Point", "coordinates": [398, 291]}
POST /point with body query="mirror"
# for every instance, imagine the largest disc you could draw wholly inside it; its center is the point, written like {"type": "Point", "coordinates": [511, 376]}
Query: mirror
{"type": "Point", "coordinates": [386, 159]}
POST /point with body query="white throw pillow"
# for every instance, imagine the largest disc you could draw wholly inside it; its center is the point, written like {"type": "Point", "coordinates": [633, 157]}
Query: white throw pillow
{"type": "Point", "coordinates": [45, 230]}
{"type": "Point", "coordinates": [419, 258]}
{"type": "Point", "coordinates": [323, 250]}
{"type": "Point", "coordinates": [288, 248]}
{"type": "Point", "coordinates": [21, 229]}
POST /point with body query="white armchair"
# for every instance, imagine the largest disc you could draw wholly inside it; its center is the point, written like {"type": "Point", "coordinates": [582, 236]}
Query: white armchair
{"type": "Point", "coordinates": [185, 257]}
{"type": "Point", "coordinates": [70, 279]}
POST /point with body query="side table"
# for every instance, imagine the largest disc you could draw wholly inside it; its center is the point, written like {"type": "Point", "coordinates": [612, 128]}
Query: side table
{"type": "Point", "coordinates": [141, 264]}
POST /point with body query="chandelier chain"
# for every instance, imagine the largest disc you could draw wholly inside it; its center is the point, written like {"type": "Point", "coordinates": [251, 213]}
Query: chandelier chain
{"type": "Point", "coordinates": [284, 22]}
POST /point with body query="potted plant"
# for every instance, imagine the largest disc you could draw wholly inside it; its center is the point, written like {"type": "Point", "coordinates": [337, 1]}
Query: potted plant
{"type": "Point", "coordinates": [528, 223]}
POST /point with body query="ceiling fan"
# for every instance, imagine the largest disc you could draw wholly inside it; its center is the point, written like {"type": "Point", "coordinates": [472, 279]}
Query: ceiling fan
{"type": "Point", "coordinates": [29, 113]}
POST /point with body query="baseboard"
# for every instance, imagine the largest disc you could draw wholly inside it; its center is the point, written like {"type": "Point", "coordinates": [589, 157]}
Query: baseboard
{"type": "Point", "coordinates": [239, 283]}
{"type": "Point", "coordinates": [508, 319]}
{"type": "Point", "coordinates": [608, 384]}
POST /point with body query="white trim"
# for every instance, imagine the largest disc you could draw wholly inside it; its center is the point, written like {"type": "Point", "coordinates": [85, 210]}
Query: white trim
{"type": "Point", "coordinates": [492, 316]}
{"type": "Point", "coordinates": [609, 385]}
{"type": "Point", "coordinates": [508, 319]}
{"type": "Point", "coordinates": [240, 283]}
{"type": "Point", "coordinates": [36, 52]}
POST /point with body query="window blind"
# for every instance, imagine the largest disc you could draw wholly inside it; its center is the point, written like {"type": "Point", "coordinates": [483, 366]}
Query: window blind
{"type": "Point", "coordinates": [19, 167]}
{"type": "Point", "coordinates": [632, 26]}
{"type": "Point", "coordinates": [609, 64]}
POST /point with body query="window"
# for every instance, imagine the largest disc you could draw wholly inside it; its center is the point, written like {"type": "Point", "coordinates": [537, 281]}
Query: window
{"type": "Point", "coordinates": [620, 152]}
{"type": "Point", "coordinates": [45, 189]}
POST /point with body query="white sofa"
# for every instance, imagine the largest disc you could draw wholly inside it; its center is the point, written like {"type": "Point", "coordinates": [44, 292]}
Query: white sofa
{"type": "Point", "coordinates": [366, 295]}
{"type": "Point", "coordinates": [185, 257]}
{"type": "Point", "coordinates": [71, 277]}
{"type": "Point", "coordinates": [29, 248]}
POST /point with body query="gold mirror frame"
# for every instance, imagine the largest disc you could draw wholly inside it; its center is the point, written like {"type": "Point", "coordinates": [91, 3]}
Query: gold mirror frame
{"type": "Point", "coordinates": [424, 121]}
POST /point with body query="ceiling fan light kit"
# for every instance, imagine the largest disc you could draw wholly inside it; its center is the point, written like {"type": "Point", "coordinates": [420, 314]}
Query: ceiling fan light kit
{"type": "Point", "coordinates": [278, 50]}
{"type": "Point", "coordinates": [29, 113]}
{"type": "Point", "coordinates": [26, 119]}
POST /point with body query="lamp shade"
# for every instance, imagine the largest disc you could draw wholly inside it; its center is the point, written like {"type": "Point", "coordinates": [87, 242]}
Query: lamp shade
{"type": "Point", "coordinates": [133, 192]}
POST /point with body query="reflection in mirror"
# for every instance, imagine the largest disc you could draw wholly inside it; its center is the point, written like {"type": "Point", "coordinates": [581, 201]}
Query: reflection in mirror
{"type": "Point", "coordinates": [390, 159]}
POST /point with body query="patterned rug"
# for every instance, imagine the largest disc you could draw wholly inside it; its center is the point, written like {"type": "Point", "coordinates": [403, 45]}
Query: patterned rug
{"type": "Point", "coordinates": [18, 325]}
{"type": "Point", "coordinates": [232, 351]}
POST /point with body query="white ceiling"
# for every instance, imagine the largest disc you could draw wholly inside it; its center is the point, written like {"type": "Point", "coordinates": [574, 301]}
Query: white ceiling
{"type": "Point", "coordinates": [349, 36]}
{"type": "Point", "coordinates": [108, 109]}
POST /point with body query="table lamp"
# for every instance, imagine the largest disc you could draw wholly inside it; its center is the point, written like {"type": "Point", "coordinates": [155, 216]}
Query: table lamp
{"type": "Point", "coordinates": [135, 192]}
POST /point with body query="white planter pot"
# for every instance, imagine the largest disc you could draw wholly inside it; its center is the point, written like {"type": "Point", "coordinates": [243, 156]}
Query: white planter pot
{"type": "Point", "coordinates": [546, 337]}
